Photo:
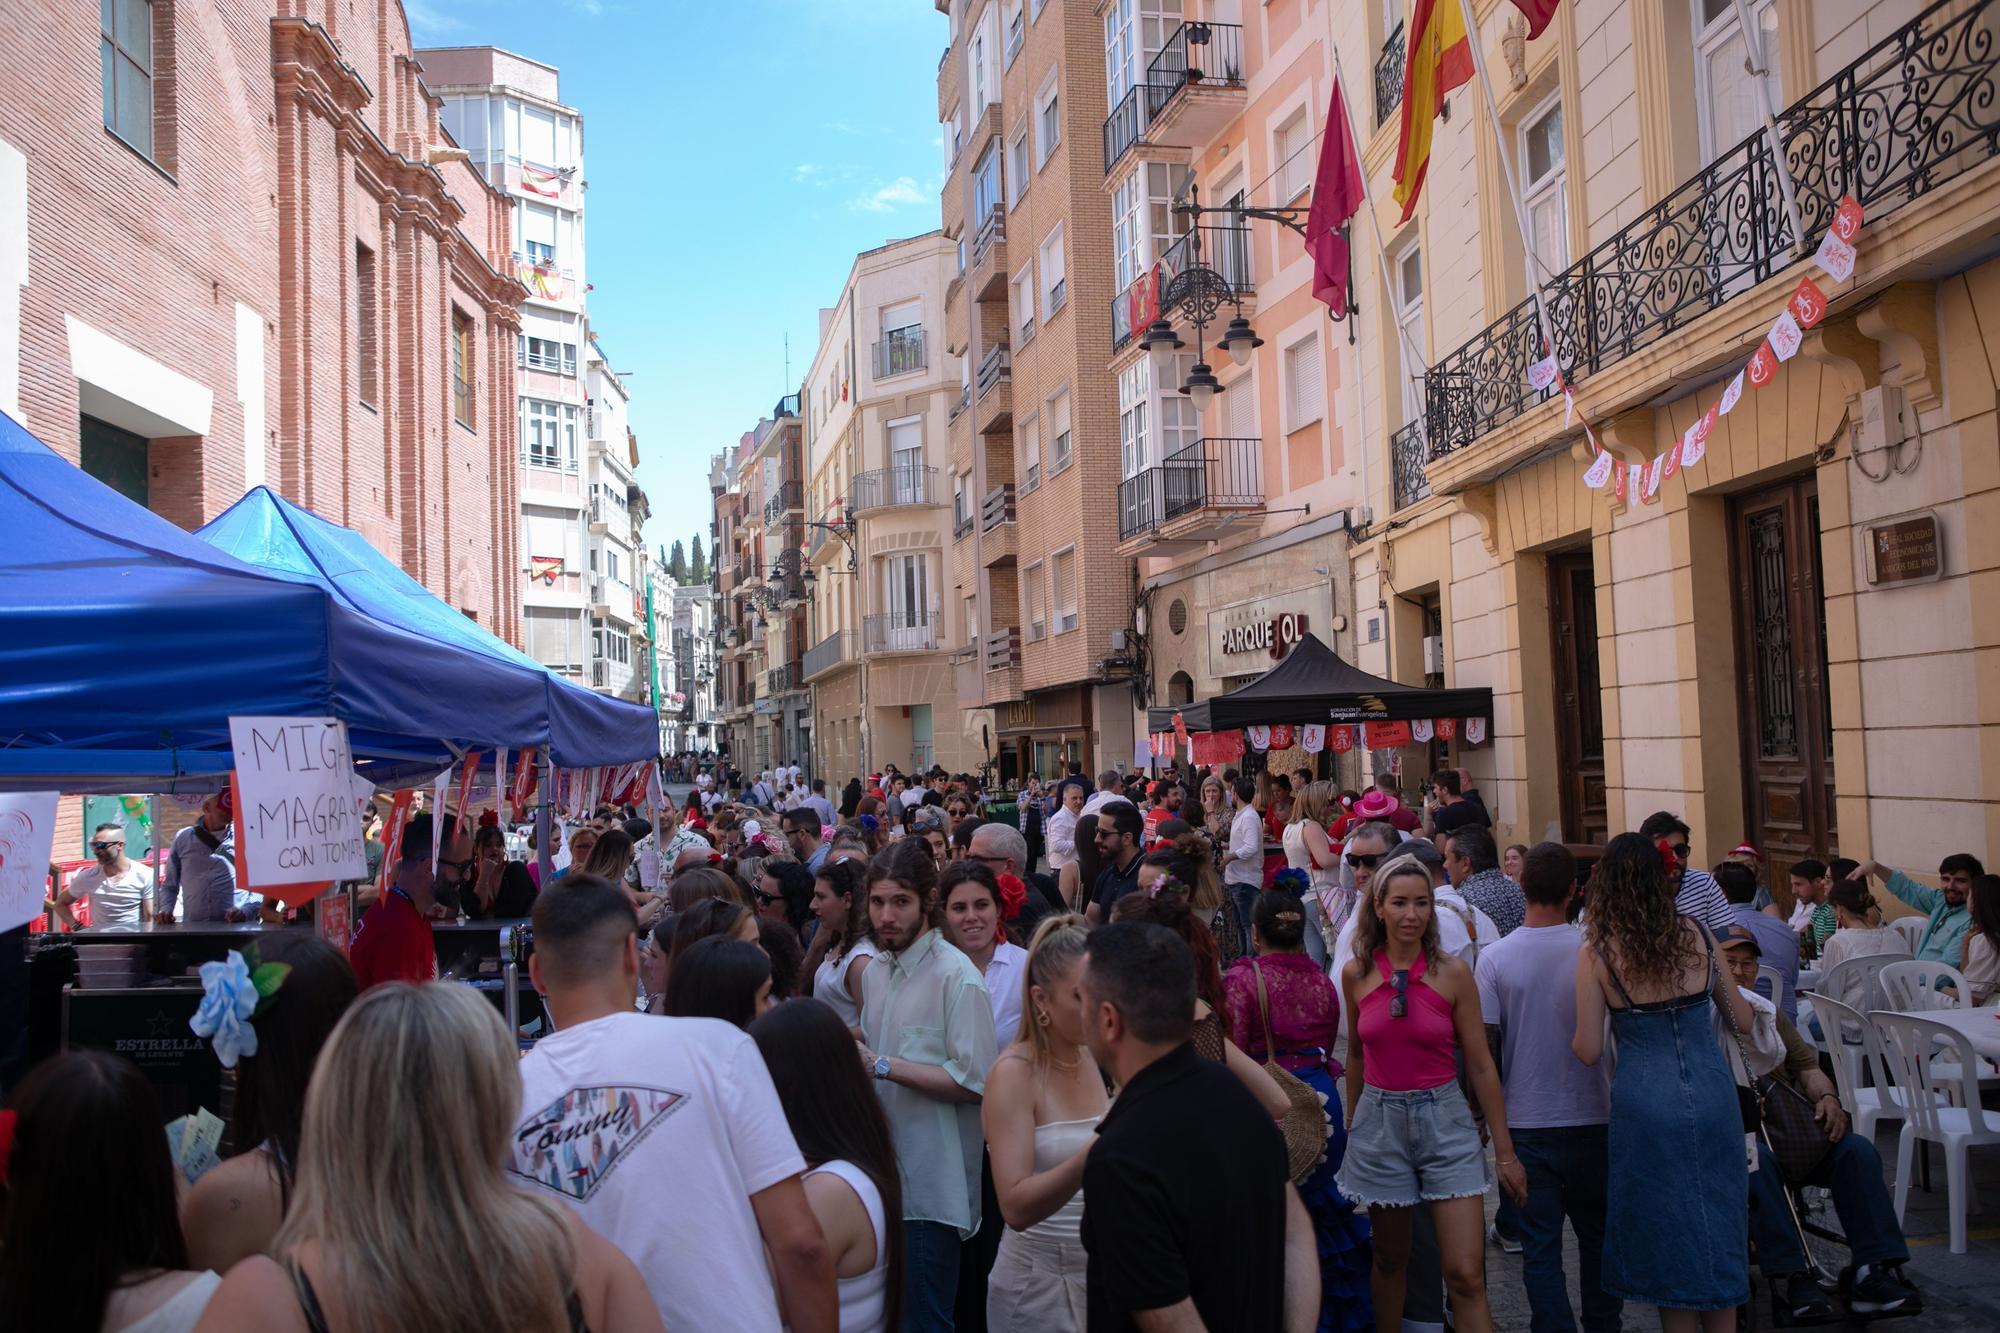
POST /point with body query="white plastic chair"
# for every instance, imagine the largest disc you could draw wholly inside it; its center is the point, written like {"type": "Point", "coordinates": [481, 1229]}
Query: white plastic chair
{"type": "Point", "coordinates": [1911, 986]}
{"type": "Point", "coordinates": [1909, 1042]}
{"type": "Point", "coordinates": [1857, 1050]}
{"type": "Point", "coordinates": [1911, 928]}
{"type": "Point", "coordinates": [1856, 983]}
{"type": "Point", "coordinates": [1781, 991]}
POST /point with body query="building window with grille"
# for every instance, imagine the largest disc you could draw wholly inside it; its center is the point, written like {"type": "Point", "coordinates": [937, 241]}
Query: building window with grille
{"type": "Point", "coordinates": [461, 367]}
{"type": "Point", "coordinates": [1017, 166]}
{"type": "Point", "coordinates": [1062, 589]}
{"type": "Point", "coordinates": [1038, 616]}
{"type": "Point", "coordinates": [1055, 287]}
{"type": "Point", "coordinates": [1048, 120]}
{"type": "Point", "coordinates": [558, 358]}
{"type": "Point", "coordinates": [548, 434]}
{"type": "Point", "coordinates": [1059, 438]}
{"type": "Point", "coordinates": [1292, 150]}
{"type": "Point", "coordinates": [1135, 390]}
{"type": "Point", "coordinates": [1540, 153]}
{"type": "Point", "coordinates": [1031, 454]}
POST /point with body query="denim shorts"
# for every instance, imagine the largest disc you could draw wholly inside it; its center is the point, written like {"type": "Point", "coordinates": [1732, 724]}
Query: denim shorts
{"type": "Point", "coordinates": [1411, 1147]}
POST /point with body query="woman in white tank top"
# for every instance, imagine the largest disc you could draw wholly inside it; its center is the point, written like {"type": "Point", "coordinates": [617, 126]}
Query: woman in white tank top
{"type": "Point", "coordinates": [851, 1181]}
{"type": "Point", "coordinates": [1044, 1097]}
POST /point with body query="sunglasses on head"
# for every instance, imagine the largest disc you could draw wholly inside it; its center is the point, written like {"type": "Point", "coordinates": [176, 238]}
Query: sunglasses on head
{"type": "Point", "coordinates": [1399, 1003]}
{"type": "Point", "coordinates": [1364, 860]}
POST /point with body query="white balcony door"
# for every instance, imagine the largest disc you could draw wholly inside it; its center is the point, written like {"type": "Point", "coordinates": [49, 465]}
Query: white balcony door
{"type": "Point", "coordinates": [1410, 320]}
{"type": "Point", "coordinates": [1726, 99]}
{"type": "Point", "coordinates": [908, 597]}
{"type": "Point", "coordinates": [906, 461]}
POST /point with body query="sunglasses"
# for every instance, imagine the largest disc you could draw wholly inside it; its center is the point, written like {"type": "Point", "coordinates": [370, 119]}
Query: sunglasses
{"type": "Point", "coordinates": [104, 846]}
{"type": "Point", "coordinates": [460, 866]}
{"type": "Point", "coordinates": [1364, 860]}
{"type": "Point", "coordinates": [766, 899]}
{"type": "Point", "coordinates": [1399, 1003]}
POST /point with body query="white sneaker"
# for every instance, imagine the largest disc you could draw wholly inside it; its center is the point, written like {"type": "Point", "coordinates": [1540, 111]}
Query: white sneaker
{"type": "Point", "coordinates": [1507, 1244]}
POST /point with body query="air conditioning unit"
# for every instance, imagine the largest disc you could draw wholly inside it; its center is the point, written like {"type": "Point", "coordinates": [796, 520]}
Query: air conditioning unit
{"type": "Point", "coordinates": [1433, 654]}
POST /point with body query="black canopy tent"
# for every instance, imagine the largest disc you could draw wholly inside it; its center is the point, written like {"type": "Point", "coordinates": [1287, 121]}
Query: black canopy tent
{"type": "Point", "coordinates": [1313, 684]}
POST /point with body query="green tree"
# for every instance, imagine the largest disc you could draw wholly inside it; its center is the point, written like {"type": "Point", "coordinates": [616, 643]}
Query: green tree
{"type": "Point", "coordinates": [699, 570]}
{"type": "Point", "coordinates": [677, 564]}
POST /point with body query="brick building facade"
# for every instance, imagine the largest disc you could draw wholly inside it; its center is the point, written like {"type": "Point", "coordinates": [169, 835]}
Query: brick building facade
{"type": "Point", "coordinates": [256, 258]}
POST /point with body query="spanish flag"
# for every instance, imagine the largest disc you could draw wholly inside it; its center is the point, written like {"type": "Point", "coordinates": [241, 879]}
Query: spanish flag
{"type": "Point", "coordinates": [1437, 60]}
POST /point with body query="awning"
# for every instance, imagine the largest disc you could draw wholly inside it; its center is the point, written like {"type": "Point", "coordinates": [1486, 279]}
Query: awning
{"type": "Point", "coordinates": [1313, 684]}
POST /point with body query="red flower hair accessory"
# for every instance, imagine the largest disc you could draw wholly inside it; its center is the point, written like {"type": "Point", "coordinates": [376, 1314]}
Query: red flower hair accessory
{"type": "Point", "coordinates": [1668, 861]}
{"type": "Point", "coordinates": [1013, 893]}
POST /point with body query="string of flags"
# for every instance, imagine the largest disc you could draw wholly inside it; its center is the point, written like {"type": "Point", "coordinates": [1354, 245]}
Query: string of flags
{"type": "Point", "coordinates": [1223, 747]}
{"type": "Point", "coordinates": [1804, 309]}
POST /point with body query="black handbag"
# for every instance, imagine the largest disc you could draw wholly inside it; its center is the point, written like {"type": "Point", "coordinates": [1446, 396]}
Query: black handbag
{"type": "Point", "coordinates": [1791, 1130]}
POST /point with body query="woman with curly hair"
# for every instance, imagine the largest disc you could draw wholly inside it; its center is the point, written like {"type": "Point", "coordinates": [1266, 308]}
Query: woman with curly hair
{"type": "Point", "coordinates": [1676, 1239]}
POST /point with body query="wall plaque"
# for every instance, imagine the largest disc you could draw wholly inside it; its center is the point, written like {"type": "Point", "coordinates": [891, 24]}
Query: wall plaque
{"type": "Point", "coordinates": [1904, 550]}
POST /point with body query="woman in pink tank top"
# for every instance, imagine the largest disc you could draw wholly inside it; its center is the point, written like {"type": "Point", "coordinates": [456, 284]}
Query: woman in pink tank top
{"type": "Point", "coordinates": [1412, 1014]}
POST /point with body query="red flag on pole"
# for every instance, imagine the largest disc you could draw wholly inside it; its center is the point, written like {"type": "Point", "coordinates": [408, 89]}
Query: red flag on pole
{"type": "Point", "coordinates": [1337, 195]}
{"type": "Point", "coordinates": [1538, 13]}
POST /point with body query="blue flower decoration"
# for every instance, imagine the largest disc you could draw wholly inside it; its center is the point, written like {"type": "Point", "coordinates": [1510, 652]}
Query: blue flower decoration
{"type": "Point", "coordinates": [228, 999]}
{"type": "Point", "coordinates": [1292, 879]}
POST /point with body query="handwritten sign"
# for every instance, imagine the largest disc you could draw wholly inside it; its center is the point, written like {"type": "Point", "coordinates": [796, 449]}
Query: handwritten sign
{"type": "Point", "coordinates": [27, 837]}
{"type": "Point", "coordinates": [296, 800]}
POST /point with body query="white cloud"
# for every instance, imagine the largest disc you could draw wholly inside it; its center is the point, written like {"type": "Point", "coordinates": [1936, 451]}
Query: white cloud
{"type": "Point", "coordinates": [429, 20]}
{"type": "Point", "coordinates": [898, 193]}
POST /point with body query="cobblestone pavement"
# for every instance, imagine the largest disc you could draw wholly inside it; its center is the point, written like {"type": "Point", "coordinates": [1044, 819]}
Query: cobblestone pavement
{"type": "Point", "coordinates": [1961, 1291]}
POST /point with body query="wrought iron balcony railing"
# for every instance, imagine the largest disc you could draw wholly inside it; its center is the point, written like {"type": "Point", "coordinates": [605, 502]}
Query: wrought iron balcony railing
{"type": "Point", "coordinates": [901, 632]}
{"type": "Point", "coordinates": [903, 484]}
{"type": "Point", "coordinates": [789, 495]}
{"type": "Point", "coordinates": [1389, 77]}
{"type": "Point", "coordinates": [781, 678]}
{"type": "Point", "coordinates": [1208, 54]}
{"type": "Point", "coordinates": [828, 653]}
{"type": "Point", "coordinates": [1217, 473]}
{"type": "Point", "coordinates": [1226, 249]}
{"type": "Point", "coordinates": [900, 353]}
{"type": "Point", "coordinates": [1407, 456]}
{"type": "Point", "coordinates": [1128, 120]}
{"type": "Point", "coordinates": [1915, 111]}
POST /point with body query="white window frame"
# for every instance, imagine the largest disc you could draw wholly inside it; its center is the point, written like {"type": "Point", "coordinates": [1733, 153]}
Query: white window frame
{"type": "Point", "coordinates": [1297, 414]}
{"type": "Point", "coordinates": [1710, 37]}
{"type": "Point", "coordinates": [1035, 8]}
{"type": "Point", "coordinates": [1062, 444]}
{"type": "Point", "coordinates": [1411, 318]}
{"type": "Point", "coordinates": [1038, 601]}
{"type": "Point", "coordinates": [553, 426]}
{"type": "Point", "coordinates": [1062, 619]}
{"type": "Point", "coordinates": [1292, 163]}
{"type": "Point", "coordinates": [1135, 396]}
{"type": "Point", "coordinates": [1015, 166]}
{"type": "Point", "coordinates": [1011, 35]}
{"type": "Point", "coordinates": [1551, 188]}
{"type": "Point", "coordinates": [1021, 304]}
{"type": "Point", "coordinates": [1054, 289]}
{"type": "Point", "coordinates": [1048, 118]}
{"type": "Point", "coordinates": [1028, 449]}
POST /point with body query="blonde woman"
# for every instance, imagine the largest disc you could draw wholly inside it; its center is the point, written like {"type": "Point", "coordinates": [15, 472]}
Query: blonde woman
{"type": "Point", "coordinates": [1310, 848]}
{"type": "Point", "coordinates": [408, 1118]}
{"type": "Point", "coordinates": [1044, 1097]}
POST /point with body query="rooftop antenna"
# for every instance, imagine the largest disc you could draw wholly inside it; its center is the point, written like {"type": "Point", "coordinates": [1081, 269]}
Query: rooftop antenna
{"type": "Point", "coordinates": [788, 358]}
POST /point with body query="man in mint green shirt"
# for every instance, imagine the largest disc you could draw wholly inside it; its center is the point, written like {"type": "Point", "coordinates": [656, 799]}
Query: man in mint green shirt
{"type": "Point", "coordinates": [1944, 938]}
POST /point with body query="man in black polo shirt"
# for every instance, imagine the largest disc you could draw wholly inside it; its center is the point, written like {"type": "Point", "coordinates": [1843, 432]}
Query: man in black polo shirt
{"type": "Point", "coordinates": [1120, 831]}
{"type": "Point", "coordinates": [1181, 1231]}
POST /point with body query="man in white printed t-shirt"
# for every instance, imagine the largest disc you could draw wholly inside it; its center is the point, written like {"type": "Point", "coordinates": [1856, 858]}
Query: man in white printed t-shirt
{"type": "Point", "coordinates": [118, 890]}
{"type": "Point", "coordinates": [665, 1134]}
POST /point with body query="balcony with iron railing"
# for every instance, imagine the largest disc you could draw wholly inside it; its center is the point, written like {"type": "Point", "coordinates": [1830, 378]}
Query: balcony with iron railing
{"type": "Point", "coordinates": [786, 409]}
{"type": "Point", "coordinates": [1125, 127]}
{"type": "Point", "coordinates": [995, 385]}
{"type": "Point", "coordinates": [997, 527]}
{"type": "Point", "coordinates": [832, 651]}
{"type": "Point", "coordinates": [780, 679]}
{"type": "Point", "coordinates": [1911, 118]}
{"type": "Point", "coordinates": [903, 484]}
{"type": "Point", "coordinates": [1223, 249]}
{"type": "Point", "coordinates": [1001, 657]}
{"type": "Point", "coordinates": [902, 632]}
{"type": "Point", "coordinates": [789, 496]}
{"type": "Point", "coordinates": [1201, 68]}
{"type": "Point", "coordinates": [1389, 78]}
{"type": "Point", "coordinates": [900, 352]}
{"type": "Point", "coordinates": [1407, 456]}
{"type": "Point", "coordinates": [1193, 496]}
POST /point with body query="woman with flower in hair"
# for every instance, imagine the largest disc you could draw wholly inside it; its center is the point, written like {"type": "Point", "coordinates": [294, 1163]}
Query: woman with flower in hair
{"type": "Point", "coordinates": [975, 923]}
{"type": "Point", "coordinates": [1282, 1007]}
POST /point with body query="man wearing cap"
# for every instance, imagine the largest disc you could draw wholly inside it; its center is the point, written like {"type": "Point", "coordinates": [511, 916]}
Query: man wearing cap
{"type": "Point", "coordinates": [202, 861]}
{"type": "Point", "coordinates": [1851, 1172]}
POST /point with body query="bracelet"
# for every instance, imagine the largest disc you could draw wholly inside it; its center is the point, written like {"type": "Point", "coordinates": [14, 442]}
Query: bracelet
{"type": "Point", "coordinates": [1506, 1161]}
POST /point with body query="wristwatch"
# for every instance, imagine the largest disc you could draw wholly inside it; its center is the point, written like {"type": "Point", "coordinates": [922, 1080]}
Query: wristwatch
{"type": "Point", "coordinates": [881, 1066]}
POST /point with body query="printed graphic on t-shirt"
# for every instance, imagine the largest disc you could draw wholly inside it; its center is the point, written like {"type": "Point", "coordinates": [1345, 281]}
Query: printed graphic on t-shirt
{"type": "Point", "coordinates": [571, 1144]}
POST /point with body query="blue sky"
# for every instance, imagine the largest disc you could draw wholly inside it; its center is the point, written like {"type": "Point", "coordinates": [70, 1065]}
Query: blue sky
{"type": "Point", "coordinates": [739, 155]}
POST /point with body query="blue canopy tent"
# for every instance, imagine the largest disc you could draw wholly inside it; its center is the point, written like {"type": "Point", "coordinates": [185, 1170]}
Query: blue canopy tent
{"type": "Point", "coordinates": [126, 644]}
{"type": "Point", "coordinates": [581, 727]}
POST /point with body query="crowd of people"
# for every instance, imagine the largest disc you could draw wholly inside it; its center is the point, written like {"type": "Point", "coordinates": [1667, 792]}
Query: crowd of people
{"type": "Point", "coordinates": [1250, 1053]}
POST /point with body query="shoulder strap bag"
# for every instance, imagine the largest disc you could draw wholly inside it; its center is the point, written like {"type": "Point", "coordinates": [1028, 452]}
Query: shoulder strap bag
{"type": "Point", "coordinates": [1305, 1126]}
